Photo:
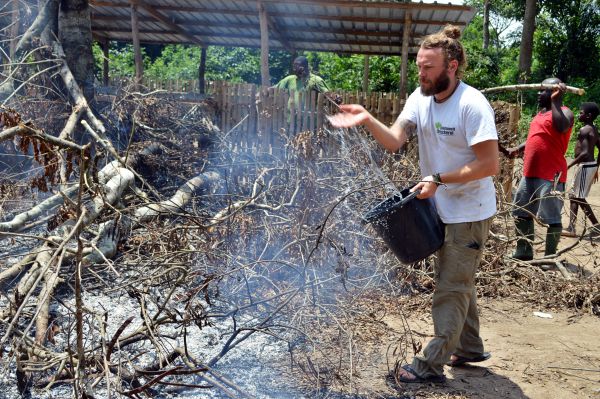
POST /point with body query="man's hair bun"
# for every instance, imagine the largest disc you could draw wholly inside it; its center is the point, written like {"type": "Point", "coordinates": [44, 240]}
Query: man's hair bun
{"type": "Point", "coordinates": [452, 31]}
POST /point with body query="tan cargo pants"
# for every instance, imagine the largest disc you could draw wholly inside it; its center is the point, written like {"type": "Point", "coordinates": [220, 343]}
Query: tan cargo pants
{"type": "Point", "coordinates": [454, 308]}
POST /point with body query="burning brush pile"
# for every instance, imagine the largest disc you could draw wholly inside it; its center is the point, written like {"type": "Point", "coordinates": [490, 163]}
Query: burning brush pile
{"type": "Point", "coordinates": [160, 258]}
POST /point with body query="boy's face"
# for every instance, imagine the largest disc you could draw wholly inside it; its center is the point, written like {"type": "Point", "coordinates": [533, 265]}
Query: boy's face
{"type": "Point", "coordinates": [583, 117]}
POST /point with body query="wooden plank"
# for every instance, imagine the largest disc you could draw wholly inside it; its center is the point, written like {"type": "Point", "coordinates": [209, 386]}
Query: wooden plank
{"type": "Point", "coordinates": [266, 139]}
{"type": "Point", "coordinates": [249, 99]}
{"type": "Point", "coordinates": [233, 117]}
{"type": "Point", "coordinates": [282, 115]}
{"type": "Point", "coordinates": [260, 115]}
{"type": "Point", "coordinates": [320, 111]}
{"type": "Point", "coordinates": [252, 122]}
{"type": "Point", "coordinates": [293, 113]}
{"type": "Point", "coordinates": [395, 108]}
{"type": "Point", "coordinates": [305, 110]}
{"type": "Point", "coordinates": [230, 105]}
{"type": "Point", "coordinates": [276, 116]}
{"type": "Point", "coordinates": [279, 138]}
{"type": "Point", "coordinates": [312, 111]}
{"type": "Point", "coordinates": [225, 120]}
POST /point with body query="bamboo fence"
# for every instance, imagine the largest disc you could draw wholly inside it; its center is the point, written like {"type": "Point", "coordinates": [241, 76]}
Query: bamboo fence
{"type": "Point", "coordinates": [276, 116]}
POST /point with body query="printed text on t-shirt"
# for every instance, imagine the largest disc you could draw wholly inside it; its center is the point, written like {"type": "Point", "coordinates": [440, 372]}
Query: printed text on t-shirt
{"type": "Point", "coordinates": [444, 131]}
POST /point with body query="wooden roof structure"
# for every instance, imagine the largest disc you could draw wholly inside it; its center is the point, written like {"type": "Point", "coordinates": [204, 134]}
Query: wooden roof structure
{"type": "Point", "coordinates": [340, 26]}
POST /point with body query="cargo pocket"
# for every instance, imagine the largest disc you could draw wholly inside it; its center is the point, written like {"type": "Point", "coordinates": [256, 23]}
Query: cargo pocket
{"type": "Point", "coordinates": [460, 258]}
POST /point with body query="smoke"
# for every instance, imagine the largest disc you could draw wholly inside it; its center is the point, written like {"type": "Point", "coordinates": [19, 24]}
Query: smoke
{"type": "Point", "coordinates": [300, 252]}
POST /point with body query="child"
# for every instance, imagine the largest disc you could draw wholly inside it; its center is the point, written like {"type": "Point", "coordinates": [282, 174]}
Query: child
{"type": "Point", "coordinates": [586, 168]}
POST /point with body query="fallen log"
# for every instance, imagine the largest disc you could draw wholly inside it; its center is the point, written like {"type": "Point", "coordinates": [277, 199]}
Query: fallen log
{"type": "Point", "coordinates": [177, 202]}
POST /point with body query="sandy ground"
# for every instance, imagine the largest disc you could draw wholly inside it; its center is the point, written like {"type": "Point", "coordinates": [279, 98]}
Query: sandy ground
{"type": "Point", "coordinates": [532, 357]}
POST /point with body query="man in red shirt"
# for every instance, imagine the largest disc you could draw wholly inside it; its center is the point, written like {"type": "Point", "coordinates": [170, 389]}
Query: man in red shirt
{"type": "Point", "coordinates": [544, 171]}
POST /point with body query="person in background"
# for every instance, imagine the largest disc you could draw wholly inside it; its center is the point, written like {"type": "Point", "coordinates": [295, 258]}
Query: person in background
{"type": "Point", "coordinates": [544, 171]}
{"type": "Point", "coordinates": [458, 150]}
{"type": "Point", "coordinates": [586, 168]}
{"type": "Point", "coordinates": [303, 79]}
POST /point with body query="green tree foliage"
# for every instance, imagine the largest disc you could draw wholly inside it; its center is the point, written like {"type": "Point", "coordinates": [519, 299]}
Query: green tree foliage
{"type": "Point", "coordinates": [121, 59]}
{"type": "Point", "coordinates": [345, 72]}
{"type": "Point", "coordinates": [566, 43]}
{"type": "Point", "coordinates": [181, 62]}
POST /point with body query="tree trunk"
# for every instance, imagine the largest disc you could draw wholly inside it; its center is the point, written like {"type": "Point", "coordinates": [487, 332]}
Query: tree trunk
{"type": "Point", "coordinates": [525, 54]}
{"type": "Point", "coordinates": [75, 34]}
{"type": "Point", "coordinates": [486, 24]}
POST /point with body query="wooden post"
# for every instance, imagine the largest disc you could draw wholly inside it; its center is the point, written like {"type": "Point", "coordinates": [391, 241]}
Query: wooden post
{"type": "Point", "coordinates": [404, 66]}
{"type": "Point", "coordinates": [105, 47]}
{"type": "Point", "coordinates": [264, 45]}
{"type": "Point", "coordinates": [202, 71]}
{"type": "Point", "coordinates": [513, 128]}
{"type": "Point", "coordinates": [365, 82]}
{"type": "Point", "coordinates": [135, 33]}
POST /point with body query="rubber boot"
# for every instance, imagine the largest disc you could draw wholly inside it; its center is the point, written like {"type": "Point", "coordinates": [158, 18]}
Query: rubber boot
{"type": "Point", "coordinates": [552, 239]}
{"type": "Point", "coordinates": [525, 235]}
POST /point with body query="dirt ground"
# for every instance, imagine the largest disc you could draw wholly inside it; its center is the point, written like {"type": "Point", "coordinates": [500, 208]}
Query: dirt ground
{"type": "Point", "coordinates": [532, 356]}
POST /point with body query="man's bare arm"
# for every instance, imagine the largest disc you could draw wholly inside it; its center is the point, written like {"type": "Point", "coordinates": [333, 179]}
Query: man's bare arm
{"type": "Point", "coordinates": [391, 138]}
{"type": "Point", "coordinates": [562, 120]}
{"type": "Point", "coordinates": [486, 163]}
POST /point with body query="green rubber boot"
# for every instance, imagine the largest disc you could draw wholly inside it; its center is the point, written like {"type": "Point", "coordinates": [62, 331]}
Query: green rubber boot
{"type": "Point", "coordinates": [552, 239]}
{"type": "Point", "coordinates": [525, 235]}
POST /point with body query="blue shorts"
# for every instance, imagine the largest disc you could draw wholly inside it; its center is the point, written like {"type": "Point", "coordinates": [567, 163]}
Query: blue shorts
{"type": "Point", "coordinates": [534, 197]}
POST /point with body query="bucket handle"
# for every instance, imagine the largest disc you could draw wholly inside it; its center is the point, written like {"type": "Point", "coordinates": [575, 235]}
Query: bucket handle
{"type": "Point", "coordinates": [411, 196]}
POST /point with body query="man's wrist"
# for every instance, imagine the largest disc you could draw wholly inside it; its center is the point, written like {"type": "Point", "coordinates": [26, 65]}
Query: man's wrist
{"type": "Point", "coordinates": [437, 179]}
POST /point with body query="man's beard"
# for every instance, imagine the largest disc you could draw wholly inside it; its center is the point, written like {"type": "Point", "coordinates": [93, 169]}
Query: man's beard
{"type": "Point", "coordinates": [439, 85]}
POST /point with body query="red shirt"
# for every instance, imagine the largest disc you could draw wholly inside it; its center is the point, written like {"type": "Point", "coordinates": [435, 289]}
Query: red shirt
{"type": "Point", "coordinates": [545, 149]}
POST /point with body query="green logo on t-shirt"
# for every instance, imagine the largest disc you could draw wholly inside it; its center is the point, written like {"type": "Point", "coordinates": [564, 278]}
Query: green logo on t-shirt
{"type": "Point", "coordinates": [444, 131]}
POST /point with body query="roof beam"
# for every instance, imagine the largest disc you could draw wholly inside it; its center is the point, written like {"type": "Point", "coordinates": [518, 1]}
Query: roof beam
{"type": "Point", "coordinates": [275, 14]}
{"type": "Point", "coordinates": [163, 19]}
{"type": "Point", "coordinates": [371, 4]}
{"type": "Point", "coordinates": [208, 35]}
{"type": "Point", "coordinates": [412, 50]}
{"type": "Point", "coordinates": [226, 25]}
{"type": "Point", "coordinates": [326, 3]}
{"type": "Point", "coordinates": [100, 17]}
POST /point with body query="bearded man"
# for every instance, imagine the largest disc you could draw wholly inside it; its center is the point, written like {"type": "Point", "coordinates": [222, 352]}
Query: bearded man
{"type": "Point", "coordinates": [458, 148]}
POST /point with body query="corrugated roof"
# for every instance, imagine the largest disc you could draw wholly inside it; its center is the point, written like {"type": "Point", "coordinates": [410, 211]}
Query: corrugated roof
{"type": "Point", "coordinates": [340, 26]}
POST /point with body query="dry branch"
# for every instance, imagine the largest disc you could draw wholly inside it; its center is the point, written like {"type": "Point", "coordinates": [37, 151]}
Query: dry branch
{"type": "Point", "coordinates": [534, 86]}
{"type": "Point", "coordinates": [178, 201]}
{"type": "Point", "coordinates": [29, 131]}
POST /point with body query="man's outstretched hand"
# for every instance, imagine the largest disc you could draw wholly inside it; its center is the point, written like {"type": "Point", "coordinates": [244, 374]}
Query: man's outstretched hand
{"type": "Point", "coordinates": [350, 115]}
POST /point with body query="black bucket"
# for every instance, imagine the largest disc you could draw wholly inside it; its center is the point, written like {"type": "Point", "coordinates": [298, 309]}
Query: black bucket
{"type": "Point", "coordinates": [410, 227]}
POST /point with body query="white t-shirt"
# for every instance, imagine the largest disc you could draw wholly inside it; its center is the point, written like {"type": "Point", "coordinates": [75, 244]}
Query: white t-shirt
{"type": "Point", "coordinates": [446, 133]}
